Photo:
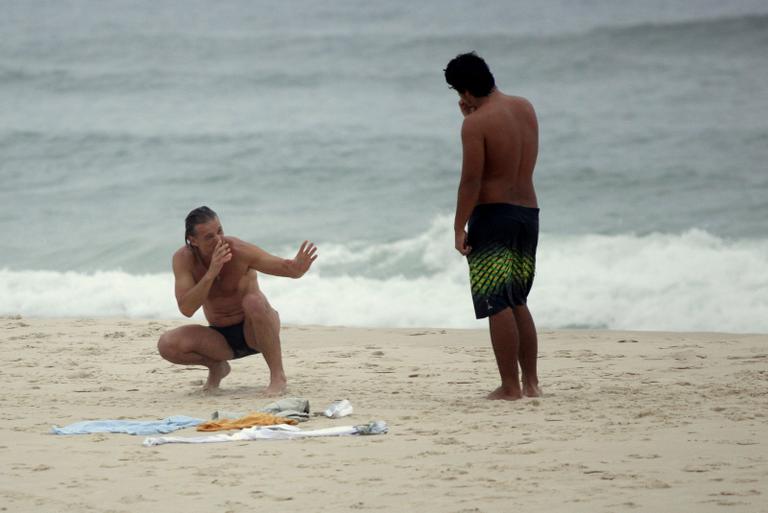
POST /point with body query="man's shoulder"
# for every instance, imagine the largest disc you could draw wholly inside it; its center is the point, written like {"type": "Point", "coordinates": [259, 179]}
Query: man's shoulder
{"type": "Point", "coordinates": [484, 118]}
{"type": "Point", "coordinates": [233, 240]}
{"type": "Point", "coordinates": [473, 122]}
{"type": "Point", "coordinates": [520, 102]}
{"type": "Point", "coordinates": [183, 256]}
{"type": "Point", "coordinates": [236, 244]}
{"type": "Point", "coordinates": [241, 250]}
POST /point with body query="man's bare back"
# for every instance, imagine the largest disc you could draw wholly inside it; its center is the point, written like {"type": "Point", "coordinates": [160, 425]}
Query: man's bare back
{"type": "Point", "coordinates": [510, 133]}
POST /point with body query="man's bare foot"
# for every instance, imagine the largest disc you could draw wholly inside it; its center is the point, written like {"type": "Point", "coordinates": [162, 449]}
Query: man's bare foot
{"type": "Point", "coordinates": [215, 375]}
{"type": "Point", "coordinates": [531, 390]}
{"type": "Point", "coordinates": [505, 394]}
{"type": "Point", "coordinates": [276, 388]}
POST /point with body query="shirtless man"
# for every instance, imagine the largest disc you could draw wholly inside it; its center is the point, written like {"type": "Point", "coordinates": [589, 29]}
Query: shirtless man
{"type": "Point", "coordinates": [219, 274]}
{"type": "Point", "coordinates": [496, 198]}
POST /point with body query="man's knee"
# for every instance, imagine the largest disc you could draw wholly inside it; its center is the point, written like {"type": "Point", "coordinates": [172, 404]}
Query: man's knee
{"type": "Point", "coordinates": [167, 346]}
{"type": "Point", "coordinates": [256, 307]}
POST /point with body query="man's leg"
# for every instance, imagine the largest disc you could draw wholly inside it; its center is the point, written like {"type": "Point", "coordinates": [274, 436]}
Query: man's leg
{"type": "Point", "coordinates": [528, 351]}
{"type": "Point", "coordinates": [262, 332]}
{"type": "Point", "coordinates": [505, 341]}
{"type": "Point", "coordinates": [197, 345]}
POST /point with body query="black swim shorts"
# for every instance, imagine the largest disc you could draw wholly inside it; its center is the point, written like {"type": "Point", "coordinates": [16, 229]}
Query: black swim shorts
{"type": "Point", "coordinates": [502, 262]}
{"type": "Point", "coordinates": [235, 338]}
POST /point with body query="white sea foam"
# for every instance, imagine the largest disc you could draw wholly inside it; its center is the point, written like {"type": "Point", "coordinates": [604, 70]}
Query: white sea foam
{"type": "Point", "coordinates": [100, 294]}
{"type": "Point", "coordinates": [690, 281]}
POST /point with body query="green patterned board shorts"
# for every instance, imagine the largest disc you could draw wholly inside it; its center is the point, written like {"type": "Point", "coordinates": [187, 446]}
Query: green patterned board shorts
{"type": "Point", "coordinates": [502, 262]}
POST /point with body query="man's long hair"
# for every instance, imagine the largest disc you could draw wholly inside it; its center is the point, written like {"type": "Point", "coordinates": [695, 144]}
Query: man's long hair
{"type": "Point", "coordinates": [469, 72]}
{"type": "Point", "coordinates": [199, 215]}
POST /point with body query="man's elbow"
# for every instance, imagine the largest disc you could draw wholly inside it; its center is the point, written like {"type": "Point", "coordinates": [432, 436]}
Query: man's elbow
{"type": "Point", "coordinates": [187, 312]}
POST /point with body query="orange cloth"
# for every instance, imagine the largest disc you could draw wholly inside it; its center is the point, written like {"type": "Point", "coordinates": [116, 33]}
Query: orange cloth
{"type": "Point", "coordinates": [250, 420]}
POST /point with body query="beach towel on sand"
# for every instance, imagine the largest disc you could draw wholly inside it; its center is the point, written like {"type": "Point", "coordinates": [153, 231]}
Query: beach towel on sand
{"type": "Point", "coordinates": [278, 432]}
{"type": "Point", "coordinates": [130, 427]}
{"type": "Point", "coordinates": [250, 420]}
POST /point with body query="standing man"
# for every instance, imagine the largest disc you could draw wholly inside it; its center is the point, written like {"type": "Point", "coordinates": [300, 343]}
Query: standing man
{"type": "Point", "coordinates": [500, 141]}
{"type": "Point", "coordinates": [219, 274]}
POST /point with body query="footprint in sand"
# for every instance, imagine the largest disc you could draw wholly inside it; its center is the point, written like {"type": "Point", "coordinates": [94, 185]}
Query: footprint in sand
{"type": "Point", "coordinates": [134, 499]}
{"type": "Point", "coordinates": [755, 358]}
{"type": "Point", "coordinates": [700, 469]}
{"type": "Point", "coordinates": [644, 456]}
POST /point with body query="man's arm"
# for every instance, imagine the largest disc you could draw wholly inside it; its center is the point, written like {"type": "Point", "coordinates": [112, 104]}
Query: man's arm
{"type": "Point", "coordinates": [473, 147]}
{"type": "Point", "coordinates": [267, 263]}
{"type": "Point", "coordinates": [191, 295]}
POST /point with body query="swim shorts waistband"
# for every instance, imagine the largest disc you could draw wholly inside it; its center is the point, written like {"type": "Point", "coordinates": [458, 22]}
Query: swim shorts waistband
{"type": "Point", "coordinates": [505, 208]}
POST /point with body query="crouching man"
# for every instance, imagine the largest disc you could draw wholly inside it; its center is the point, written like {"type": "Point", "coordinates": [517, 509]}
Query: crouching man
{"type": "Point", "coordinates": [219, 273]}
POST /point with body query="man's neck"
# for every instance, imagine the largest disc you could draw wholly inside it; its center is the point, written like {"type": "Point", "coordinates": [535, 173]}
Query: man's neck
{"type": "Point", "coordinates": [485, 99]}
{"type": "Point", "coordinates": [205, 261]}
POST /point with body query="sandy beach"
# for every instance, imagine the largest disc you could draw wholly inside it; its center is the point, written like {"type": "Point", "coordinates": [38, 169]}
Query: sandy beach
{"type": "Point", "coordinates": [631, 421]}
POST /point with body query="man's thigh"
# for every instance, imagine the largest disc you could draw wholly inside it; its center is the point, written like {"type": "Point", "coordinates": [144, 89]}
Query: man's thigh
{"type": "Point", "coordinates": [266, 331]}
{"type": "Point", "coordinates": [194, 338]}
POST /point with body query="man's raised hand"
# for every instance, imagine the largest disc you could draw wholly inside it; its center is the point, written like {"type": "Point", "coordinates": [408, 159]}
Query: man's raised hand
{"type": "Point", "coordinates": [221, 255]}
{"type": "Point", "coordinates": [306, 255]}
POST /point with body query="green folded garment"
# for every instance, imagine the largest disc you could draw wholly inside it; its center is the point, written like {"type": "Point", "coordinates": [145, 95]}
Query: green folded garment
{"type": "Point", "coordinates": [295, 408]}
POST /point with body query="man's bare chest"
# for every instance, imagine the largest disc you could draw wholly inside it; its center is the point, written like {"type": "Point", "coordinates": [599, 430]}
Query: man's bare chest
{"type": "Point", "coordinates": [227, 283]}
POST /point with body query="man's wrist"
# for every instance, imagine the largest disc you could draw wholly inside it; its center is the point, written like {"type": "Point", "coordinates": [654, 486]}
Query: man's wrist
{"type": "Point", "coordinates": [293, 268]}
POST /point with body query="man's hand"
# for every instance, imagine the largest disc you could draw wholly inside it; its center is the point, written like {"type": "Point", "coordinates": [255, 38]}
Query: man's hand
{"type": "Point", "coordinates": [461, 242]}
{"type": "Point", "coordinates": [303, 261]}
{"type": "Point", "coordinates": [465, 108]}
{"type": "Point", "coordinates": [221, 255]}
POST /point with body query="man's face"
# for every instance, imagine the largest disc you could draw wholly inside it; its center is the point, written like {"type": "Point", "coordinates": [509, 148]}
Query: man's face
{"type": "Point", "coordinates": [206, 236]}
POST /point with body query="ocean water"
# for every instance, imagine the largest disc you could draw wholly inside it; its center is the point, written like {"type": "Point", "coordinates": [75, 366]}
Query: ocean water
{"type": "Point", "coordinates": [332, 122]}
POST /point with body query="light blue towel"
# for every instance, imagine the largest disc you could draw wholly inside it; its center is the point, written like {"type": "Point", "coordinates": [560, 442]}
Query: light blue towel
{"type": "Point", "coordinates": [131, 427]}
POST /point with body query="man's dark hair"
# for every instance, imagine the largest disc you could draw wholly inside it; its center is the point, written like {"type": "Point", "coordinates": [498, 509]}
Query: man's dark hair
{"type": "Point", "coordinates": [468, 72]}
{"type": "Point", "coordinates": [199, 215]}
